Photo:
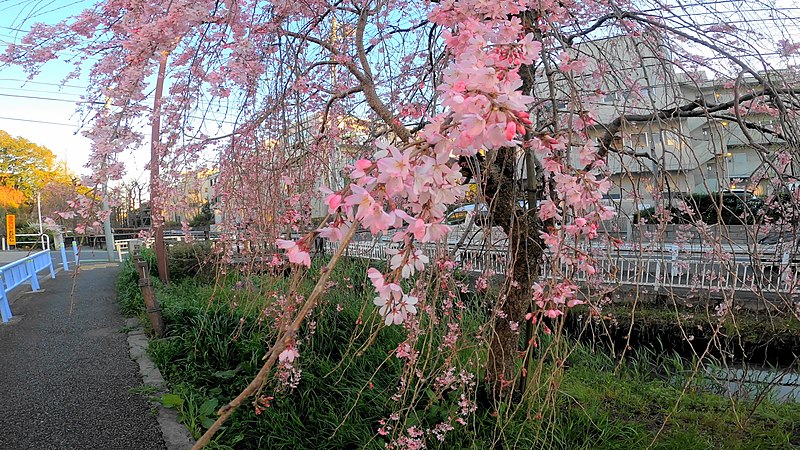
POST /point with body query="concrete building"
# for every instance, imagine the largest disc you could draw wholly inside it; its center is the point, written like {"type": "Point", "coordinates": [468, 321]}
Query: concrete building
{"type": "Point", "coordinates": [658, 156]}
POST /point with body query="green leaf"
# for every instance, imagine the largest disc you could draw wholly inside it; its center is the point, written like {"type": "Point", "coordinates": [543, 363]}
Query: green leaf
{"type": "Point", "coordinates": [170, 400]}
{"type": "Point", "coordinates": [431, 395]}
{"type": "Point", "coordinates": [206, 422]}
{"type": "Point", "coordinates": [208, 407]}
{"type": "Point", "coordinates": [225, 374]}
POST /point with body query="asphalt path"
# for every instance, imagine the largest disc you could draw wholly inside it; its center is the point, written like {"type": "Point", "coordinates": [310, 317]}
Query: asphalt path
{"type": "Point", "coordinates": [14, 255]}
{"type": "Point", "coordinates": [65, 370]}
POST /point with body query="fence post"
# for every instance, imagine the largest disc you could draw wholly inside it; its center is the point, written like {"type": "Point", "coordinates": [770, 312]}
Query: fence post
{"type": "Point", "coordinates": [785, 269]}
{"type": "Point", "coordinates": [674, 268]}
{"type": "Point", "coordinates": [32, 272]}
{"type": "Point", "coordinates": [50, 265]}
{"type": "Point", "coordinates": [149, 295]}
{"type": "Point", "coordinates": [75, 252]}
{"type": "Point", "coordinates": [659, 262]}
{"type": "Point", "coordinates": [5, 310]}
{"type": "Point", "coordinates": [58, 241]}
{"type": "Point", "coordinates": [64, 262]}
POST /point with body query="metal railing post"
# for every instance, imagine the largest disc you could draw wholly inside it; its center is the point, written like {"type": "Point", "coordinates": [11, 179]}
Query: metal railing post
{"type": "Point", "coordinates": [50, 265]}
{"type": "Point", "coordinates": [75, 253]}
{"type": "Point", "coordinates": [34, 278]}
{"type": "Point", "coordinates": [5, 310]}
{"type": "Point", "coordinates": [58, 241]}
{"type": "Point", "coordinates": [64, 262]}
{"type": "Point", "coordinates": [674, 269]}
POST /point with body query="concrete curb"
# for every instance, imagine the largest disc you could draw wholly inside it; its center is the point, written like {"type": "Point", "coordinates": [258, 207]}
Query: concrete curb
{"type": "Point", "coordinates": [176, 435]}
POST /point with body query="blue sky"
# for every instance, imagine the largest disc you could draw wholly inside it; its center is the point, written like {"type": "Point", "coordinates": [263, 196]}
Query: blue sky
{"type": "Point", "coordinates": [42, 110]}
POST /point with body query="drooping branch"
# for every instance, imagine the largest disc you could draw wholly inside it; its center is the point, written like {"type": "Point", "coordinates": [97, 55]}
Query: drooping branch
{"type": "Point", "coordinates": [280, 345]}
{"type": "Point", "coordinates": [695, 108]}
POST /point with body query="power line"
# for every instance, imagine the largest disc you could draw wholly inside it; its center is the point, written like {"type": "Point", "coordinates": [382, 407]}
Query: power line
{"type": "Point", "coordinates": [34, 97]}
{"type": "Point", "coordinates": [73, 86]}
{"type": "Point", "coordinates": [39, 121]}
{"type": "Point", "coordinates": [41, 91]}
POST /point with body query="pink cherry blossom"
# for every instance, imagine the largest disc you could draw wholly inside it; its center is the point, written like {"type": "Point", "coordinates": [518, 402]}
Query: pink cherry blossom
{"type": "Point", "coordinates": [288, 355]}
{"type": "Point", "coordinates": [296, 254]}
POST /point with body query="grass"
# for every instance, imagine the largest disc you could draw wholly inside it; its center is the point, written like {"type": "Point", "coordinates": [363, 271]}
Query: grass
{"type": "Point", "coordinates": [216, 339]}
{"type": "Point", "coordinates": [754, 336]}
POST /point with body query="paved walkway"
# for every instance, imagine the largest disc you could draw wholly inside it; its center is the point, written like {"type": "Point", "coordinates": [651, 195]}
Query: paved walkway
{"type": "Point", "coordinates": [15, 255]}
{"type": "Point", "coordinates": [65, 377]}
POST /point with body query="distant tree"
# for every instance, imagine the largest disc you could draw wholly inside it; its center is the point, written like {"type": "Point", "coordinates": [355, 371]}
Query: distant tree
{"type": "Point", "coordinates": [10, 198]}
{"type": "Point", "coordinates": [204, 218]}
{"type": "Point", "coordinates": [26, 167]}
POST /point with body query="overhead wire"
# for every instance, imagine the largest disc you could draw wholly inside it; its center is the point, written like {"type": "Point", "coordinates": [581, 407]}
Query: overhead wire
{"type": "Point", "coordinates": [45, 122]}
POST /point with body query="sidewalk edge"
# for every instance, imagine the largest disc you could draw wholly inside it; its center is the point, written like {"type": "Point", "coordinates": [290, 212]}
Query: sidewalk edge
{"type": "Point", "coordinates": [175, 434]}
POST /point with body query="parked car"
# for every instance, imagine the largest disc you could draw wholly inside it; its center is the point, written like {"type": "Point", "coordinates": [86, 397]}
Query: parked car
{"type": "Point", "coordinates": [737, 207]}
{"type": "Point", "coordinates": [469, 225]}
{"type": "Point", "coordinates": [780, 248]}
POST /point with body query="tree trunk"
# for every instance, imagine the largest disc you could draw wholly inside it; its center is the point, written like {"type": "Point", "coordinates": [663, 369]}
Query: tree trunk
{"type": "Point", "coordinates": [525, 252]}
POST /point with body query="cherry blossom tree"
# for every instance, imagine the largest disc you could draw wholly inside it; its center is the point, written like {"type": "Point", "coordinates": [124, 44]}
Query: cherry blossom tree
{"type": "Point", "coordinates": [384, 106]}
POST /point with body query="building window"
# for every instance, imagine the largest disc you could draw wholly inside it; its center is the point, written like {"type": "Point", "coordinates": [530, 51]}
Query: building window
{"type": "Point", "coordinates": [656, 137]}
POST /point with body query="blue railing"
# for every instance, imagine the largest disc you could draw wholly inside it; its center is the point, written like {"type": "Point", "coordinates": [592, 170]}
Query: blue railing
{"type": "Point", "coordinates": [14, 274]}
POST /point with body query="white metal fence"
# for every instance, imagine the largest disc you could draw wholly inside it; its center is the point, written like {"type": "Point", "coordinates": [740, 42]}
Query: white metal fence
{"type": "Point", "coordinates": [693, 269]}
{"type": "Point", "coordinates": [662, 267]}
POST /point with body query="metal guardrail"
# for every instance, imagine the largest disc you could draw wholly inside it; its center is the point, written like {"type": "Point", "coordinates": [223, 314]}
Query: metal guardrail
{"type": "Point", "coordinates": [661, 266]}
{"type": "Point", "coordinates": [124, 247]}
{"type": "Point", "coordinates": [16, 273]}
{"type": "Point", "coordinates": [658, 268]}
{"type": "Point", "coordinates": [33, 240]}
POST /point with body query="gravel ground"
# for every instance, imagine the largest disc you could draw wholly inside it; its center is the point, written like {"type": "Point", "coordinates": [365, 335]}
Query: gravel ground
{"type": "Point", "coordinates": [65, 378]}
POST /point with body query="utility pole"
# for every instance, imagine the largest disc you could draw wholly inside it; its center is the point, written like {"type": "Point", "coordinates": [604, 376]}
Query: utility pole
{"type": "Point", "coordinates": [107, 224]}
{"type": "Point", "coordinates": [109, 236]}
{"type": "Point", "coordinates": [156, 219]}
{"type": "Point", "coordinates": [41, 227]}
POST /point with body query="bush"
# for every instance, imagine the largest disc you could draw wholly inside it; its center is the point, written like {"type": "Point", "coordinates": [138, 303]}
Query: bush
{"type": "Point", "coordinates": [216, 340]}
{"type": "Point", "coordinates": [192, 260]}
{"type": "Point", "coordinates": [715, 208]}
{"type": "Point", "coordinates": [129, 295]}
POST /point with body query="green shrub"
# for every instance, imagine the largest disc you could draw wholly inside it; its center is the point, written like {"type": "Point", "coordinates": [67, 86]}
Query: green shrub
{"type": "Point", "coordinates": [191, 260]}
{"type": "Point", "coordinates": [723, 208]}
{"type": "Point", "coordinates": [129, 295]}
{"type": "Point", "coordinates": [216, 342]}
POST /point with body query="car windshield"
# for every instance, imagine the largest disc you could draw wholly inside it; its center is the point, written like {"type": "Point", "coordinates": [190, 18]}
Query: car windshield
{"type": "Point", "coordinates": [456, 218]}
{"type": "Point", "coordinates": [774, 238]}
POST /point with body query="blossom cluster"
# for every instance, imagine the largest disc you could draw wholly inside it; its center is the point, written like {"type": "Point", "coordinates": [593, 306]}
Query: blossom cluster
{"type": "Point", "coordinates": [408, 187]}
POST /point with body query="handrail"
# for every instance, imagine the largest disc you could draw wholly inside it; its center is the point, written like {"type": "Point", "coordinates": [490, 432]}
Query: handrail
{"type": "Point", "coordinates": [42, 238]}
{"type": "Point", "coordinates": [14, 274]}
{"type": "Point", "coordinates": [660, 269]}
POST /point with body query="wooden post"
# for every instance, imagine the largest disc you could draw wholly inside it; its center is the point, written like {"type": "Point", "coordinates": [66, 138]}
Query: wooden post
{"type": "Point", "coordinates": [150, 301]}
